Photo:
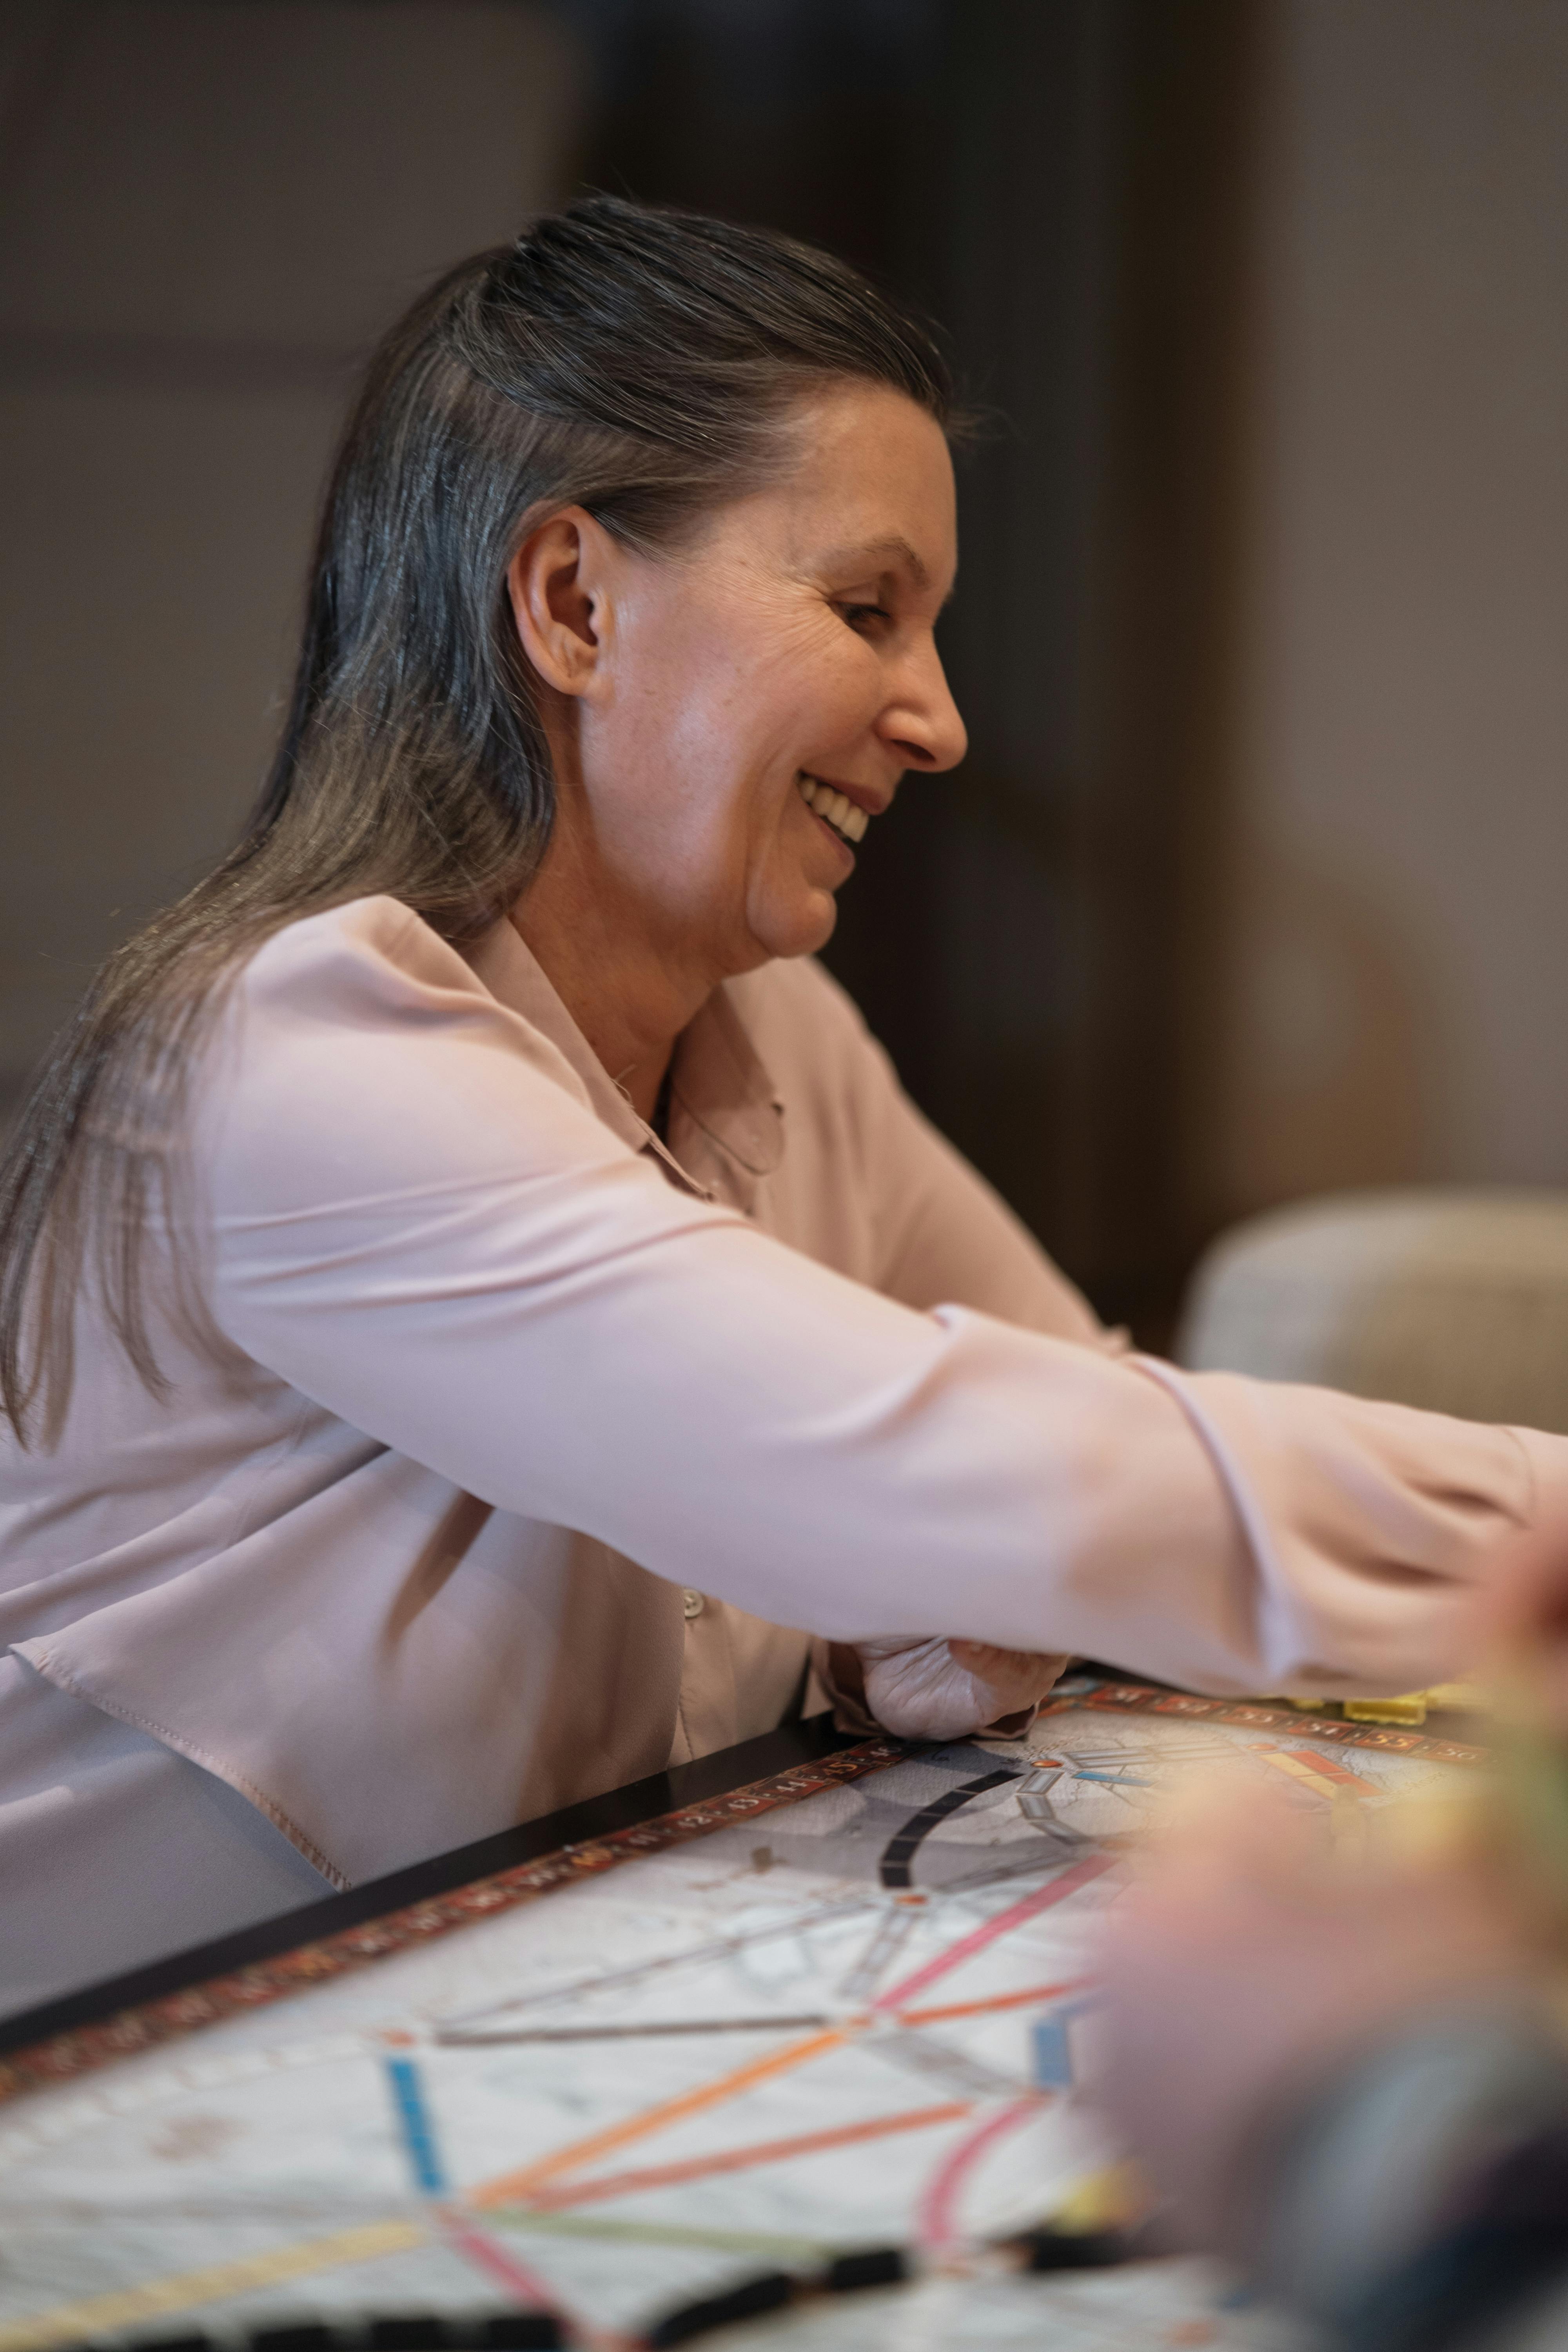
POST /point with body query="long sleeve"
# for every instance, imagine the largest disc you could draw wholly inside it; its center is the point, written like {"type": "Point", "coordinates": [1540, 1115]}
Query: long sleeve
{"type": "Point", "coordinates": [420, 1227]}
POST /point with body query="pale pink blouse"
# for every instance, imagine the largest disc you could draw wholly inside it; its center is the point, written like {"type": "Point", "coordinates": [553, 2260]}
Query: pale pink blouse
{"type": "Point", "coordinates": [509, 1452]}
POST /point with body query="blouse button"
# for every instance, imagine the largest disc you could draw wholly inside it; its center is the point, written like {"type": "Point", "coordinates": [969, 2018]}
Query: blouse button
{"type": "Point", "coordinates": [691, 1602]}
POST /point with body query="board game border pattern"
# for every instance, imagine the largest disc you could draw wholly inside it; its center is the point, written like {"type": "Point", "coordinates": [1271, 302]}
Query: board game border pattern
{"type": "Point", "coordinates": [1145, 1698]}
{"type": "Point", "coordinates": [64, 2057]}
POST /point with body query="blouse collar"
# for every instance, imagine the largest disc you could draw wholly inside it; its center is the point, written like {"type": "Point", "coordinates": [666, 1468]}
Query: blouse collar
{"type": "Point", "coordinates": [726, 1121]}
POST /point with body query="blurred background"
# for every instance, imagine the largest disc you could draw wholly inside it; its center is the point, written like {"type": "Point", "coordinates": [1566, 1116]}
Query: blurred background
{"type": "Point", "coordinates": [1252, 885]}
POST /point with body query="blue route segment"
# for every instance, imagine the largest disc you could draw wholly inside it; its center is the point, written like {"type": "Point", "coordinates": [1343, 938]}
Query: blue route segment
{"type": "Point", "coordinates": [1052, 2045]}
{"type": "Point", "coordinates": [416, 2124]}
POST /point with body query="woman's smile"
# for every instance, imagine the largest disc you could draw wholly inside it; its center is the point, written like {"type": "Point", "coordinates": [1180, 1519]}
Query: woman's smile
{"type": "Point", "coordinates": [836, 811]}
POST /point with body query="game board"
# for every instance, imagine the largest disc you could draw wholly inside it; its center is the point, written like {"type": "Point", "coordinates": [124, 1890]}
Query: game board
{"type": "Point", "coordinates": [840, 2010]}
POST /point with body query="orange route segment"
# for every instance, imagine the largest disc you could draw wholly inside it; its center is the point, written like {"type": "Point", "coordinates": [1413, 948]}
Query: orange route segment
{"type": "Point", "coordinates": [513, 2187]}
{"type": "Point", "coordinates": [987, 2008]}
{"type": "Point", "coordinates": [1324, 1775]}
{"type": "Point", "coordinates": [1328, 1767]}
{"type": "Point", "coordinates": [1296, 1771]}
{"type": "Point", "coordinates": [730, 2160]}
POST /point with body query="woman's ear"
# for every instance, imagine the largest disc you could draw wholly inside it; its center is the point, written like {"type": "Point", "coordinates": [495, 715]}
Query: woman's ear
{"type": "Point", "coordinates": [559, 599]}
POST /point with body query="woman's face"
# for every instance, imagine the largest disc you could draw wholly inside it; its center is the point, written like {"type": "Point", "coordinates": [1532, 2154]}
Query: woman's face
{"type": "Point", "coordinates": [738, 714]}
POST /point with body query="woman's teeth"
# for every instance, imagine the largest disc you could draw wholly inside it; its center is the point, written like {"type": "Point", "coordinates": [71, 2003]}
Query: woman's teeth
{"type": "Point", "coordinates": [847, 821]}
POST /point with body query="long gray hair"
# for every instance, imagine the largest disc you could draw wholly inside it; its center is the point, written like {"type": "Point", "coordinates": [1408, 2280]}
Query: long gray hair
{"type": "Point", "coordinates": [640, 363]}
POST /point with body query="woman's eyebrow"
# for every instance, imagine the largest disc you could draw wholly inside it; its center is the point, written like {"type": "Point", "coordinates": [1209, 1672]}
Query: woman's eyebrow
{"type": "Point", "coordinates": [894, 551]}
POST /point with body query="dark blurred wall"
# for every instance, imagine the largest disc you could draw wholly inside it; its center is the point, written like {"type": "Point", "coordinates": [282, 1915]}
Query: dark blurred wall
{"type": "Point", "coordinates": [1095, 263]}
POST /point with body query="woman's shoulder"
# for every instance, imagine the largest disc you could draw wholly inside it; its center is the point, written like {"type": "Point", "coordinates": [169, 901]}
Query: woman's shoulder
{"type": "Point", "coordinates": [367, 996]}
{"type": "Point", "coordinates": [365, 947]}
{"type": "Point", "coordinates": [372, 975]}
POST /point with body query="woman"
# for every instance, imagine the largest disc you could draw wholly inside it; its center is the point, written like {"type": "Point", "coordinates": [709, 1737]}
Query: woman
{"type": "Point", "coordinates": [476, 1303]}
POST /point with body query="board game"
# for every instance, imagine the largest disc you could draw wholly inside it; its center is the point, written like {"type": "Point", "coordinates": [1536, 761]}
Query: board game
{"type": "Point", "coordinates": [838, 2010]}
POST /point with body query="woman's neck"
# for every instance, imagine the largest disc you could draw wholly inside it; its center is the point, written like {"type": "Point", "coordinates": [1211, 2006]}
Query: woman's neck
{"type": "Point", "coordinates": [630, 1000]}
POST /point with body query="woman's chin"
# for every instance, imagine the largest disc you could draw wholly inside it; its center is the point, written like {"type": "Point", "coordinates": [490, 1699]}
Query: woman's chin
{"type": "Point", "coordinates": [797, 929]}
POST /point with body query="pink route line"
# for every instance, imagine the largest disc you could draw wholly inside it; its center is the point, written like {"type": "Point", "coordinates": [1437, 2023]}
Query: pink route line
{"type": "Point", "coordinates": [497, 2263]}
{"type": "Point", "coordinates": [1014, 1916]}
{"type": "Point", "coordinates": [936, 2229]}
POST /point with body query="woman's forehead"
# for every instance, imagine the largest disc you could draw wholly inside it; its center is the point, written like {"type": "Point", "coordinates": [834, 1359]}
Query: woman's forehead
{"type": "Point", "coordinates": [870, 495]}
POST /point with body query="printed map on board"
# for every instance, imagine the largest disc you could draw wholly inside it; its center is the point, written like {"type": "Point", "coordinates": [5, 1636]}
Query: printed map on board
{"type": "Point", "coordinates": [846, 2021]}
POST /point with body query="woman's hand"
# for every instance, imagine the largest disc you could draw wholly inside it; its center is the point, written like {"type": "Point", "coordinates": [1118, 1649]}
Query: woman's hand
{"type": "Point", "coordinates": [942, 1690]}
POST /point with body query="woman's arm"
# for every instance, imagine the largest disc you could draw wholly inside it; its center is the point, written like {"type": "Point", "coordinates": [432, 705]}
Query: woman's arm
{"type": "Point", "coordinates": [417, 1222]}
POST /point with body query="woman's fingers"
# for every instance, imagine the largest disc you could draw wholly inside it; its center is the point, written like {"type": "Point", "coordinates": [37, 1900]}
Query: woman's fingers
{"type": "Point", "coordinates": [942, 1690]}
{"type": "Point", "coordinates": [1019, 1678]}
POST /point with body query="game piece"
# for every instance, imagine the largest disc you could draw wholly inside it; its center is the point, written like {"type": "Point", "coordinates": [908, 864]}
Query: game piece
{"type": "Point", "coordinates": [1457, 1699]}
{"type": "Point", "coordinates": [1411, 1709]}
{"type": "Point", "coordinates": [769, 2292]}
{"type": "Point", "coordinates": [878, 2266]}
{"type": "Point", "coordinates": [1074, 2250]}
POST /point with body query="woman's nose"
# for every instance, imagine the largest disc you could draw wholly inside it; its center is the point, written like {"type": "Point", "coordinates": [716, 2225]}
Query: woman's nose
{"type": "Point", "coordinates": [923, 722]}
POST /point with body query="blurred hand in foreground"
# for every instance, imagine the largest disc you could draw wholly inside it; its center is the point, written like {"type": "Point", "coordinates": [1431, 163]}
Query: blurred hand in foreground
{"type": "Point", "coordinates": [1248, 1966]}
{"type": "Point", "coordinates": [1249, 1961]}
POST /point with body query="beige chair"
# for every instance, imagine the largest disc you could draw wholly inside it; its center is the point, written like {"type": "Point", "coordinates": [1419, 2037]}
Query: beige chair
{"type": "Point", "coordinates": [1454, 1300]}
